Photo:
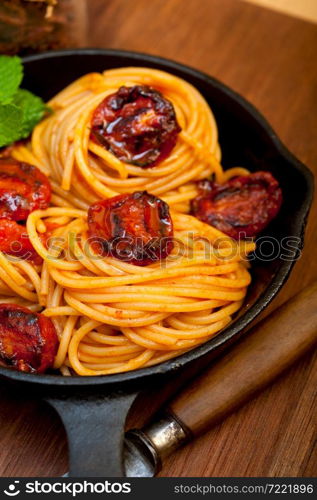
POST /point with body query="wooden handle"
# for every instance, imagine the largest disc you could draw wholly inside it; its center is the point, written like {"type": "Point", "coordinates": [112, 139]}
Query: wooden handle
{"type": "Point", "coordinates": [268, 349]}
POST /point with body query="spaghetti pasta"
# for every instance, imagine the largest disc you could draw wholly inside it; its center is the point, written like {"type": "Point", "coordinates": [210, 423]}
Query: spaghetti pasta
{"type": "Point", "coordinates": [110, 315]}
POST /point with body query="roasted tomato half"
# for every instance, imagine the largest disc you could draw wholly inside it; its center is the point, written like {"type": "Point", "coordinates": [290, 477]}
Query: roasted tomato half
{"type": "Point", "coordinates": [23, 188]}
{"type": "Point", "coordinates": [137, 124]}
{"type": "Point", "coordinates": [242, 207]}
{"type": "Point", "coordinates": [28, 341]}
{"type": "Point", "coordinates": [14, 241]}
{"type": "Point", "coordinates": [136, 228]}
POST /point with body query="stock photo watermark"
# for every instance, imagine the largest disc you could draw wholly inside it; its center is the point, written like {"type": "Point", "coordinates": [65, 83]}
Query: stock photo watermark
{"type": "Point", "coordinates": [166, 250]}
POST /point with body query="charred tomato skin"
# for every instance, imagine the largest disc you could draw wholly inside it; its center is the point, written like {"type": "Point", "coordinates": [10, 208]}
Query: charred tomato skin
{"type": "Point", "coordinates": [23, 188]}
{"type": "Point", "coordinates": [241, 207]}
{"type": "Point", "coordinates": [15, 241]}
{"type": "Point", "coordinates": [28, 340]}
{"type": "Point", "coordinates": [137, 124]}
{"type": "Point", "coordinates": [136, 228]}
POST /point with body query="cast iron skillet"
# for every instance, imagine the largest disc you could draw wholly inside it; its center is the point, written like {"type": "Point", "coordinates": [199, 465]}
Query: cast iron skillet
{"type": "Point", "coordinates": [94, 409]}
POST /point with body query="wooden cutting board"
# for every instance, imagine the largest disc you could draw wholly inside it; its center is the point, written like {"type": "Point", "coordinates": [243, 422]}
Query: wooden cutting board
{"type": "Point", "coordinates": [270, 59]}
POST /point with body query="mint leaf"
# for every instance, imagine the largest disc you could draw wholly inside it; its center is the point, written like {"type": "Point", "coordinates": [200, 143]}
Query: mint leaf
{"type": "Point", "coordinates": [10, 124]}
{"type": "Point", "coordinates": [20, 110]}
{"type": "Point", "coordinates": [33, 109]}
{"type": "Point", "coordinates": [11, 74]}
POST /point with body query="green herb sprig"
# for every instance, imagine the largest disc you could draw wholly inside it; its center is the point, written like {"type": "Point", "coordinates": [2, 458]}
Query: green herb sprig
{"type": "Point", "coordinates": [20, 110]}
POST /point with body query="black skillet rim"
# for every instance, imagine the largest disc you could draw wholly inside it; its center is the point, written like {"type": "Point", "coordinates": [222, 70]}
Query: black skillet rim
{"type": "Point", "coordinates": [265, 298]}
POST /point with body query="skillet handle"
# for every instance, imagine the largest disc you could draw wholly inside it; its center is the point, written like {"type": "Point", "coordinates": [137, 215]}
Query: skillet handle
{"type": "Point", "coordinates": [95, 431]}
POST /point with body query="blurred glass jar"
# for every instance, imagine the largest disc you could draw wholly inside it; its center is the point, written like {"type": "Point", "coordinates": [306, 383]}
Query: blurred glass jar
{"type": "Point", "coordinates": [31, 26]}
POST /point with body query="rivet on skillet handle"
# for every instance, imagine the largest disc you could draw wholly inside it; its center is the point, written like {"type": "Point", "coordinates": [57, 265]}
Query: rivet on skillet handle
{"type": "Point", "coordinates": [95, 432]}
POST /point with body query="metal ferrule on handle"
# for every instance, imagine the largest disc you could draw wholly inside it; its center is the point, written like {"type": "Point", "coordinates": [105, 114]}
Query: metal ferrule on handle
{"type": "Point", "coordinates": [159, 439]}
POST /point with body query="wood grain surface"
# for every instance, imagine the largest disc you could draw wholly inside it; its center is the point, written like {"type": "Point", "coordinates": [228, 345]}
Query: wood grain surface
{"type": "Point", "coordinates": [305, 9]}
{"type": "Point", "coordinates": [271, 60]}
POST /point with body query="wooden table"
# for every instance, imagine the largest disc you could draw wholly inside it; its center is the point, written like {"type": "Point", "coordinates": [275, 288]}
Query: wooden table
{"type": "Point", "coordinates": [270, 59]}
